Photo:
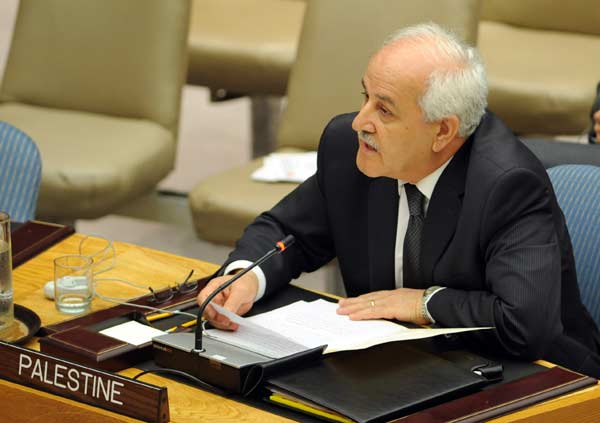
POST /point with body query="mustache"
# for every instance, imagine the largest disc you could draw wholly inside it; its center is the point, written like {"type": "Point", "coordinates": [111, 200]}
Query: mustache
{"type": "Point", "coordinates": [368, 138]}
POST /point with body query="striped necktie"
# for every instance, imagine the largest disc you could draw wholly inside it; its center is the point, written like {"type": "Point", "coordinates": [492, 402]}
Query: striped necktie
{"type": "Point", "coordinates": [412, 239]}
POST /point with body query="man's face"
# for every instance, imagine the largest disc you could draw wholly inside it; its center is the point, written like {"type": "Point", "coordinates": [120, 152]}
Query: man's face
{"type": "Point", "coordinates": [394, 139]}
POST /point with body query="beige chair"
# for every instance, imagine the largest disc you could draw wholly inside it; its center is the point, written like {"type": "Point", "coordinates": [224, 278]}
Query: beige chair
{"type": "Point", "coordinates": [337, 39]}
{"type": "Point", "coordinates": [97, 84]}
{"type": "Point", "coordinates": [543, 62]}
{"type": "Point", "coordinates": [247, 48]}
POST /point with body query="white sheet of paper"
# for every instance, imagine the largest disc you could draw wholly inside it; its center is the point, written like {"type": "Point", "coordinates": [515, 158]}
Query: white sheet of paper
{"type": "Point", "coordinates": [255, 337]}
{"type": "Point", "coordinates": [316, 323]}
{"type": "Point", "coordinates": [287, 167]}
{"type": "Point", "coordinates": [132, 332]}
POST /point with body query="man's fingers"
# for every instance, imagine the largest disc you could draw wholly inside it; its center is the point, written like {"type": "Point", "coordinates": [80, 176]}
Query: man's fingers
{"type": "Point", "coordinates": [364, 309]}
{"type": "Point", "coordinates": [237, 298]}
{"type": "Point", "coordinates": [209, 313]}
{"type": "Point", "coordinates": [350, 308]}
{"type": "Point", "coordinates": [218, 320]}
{"type": "Point", "coordinates": [235, 301]}
{"type": "Point", "coordinates": [224, 324]}
{"type": "Point", "coordinates": [370, 301]}
{"type": "Point", "coordinates": [371, 296]}
{"type": "Point", "coordinates": [221, 320]}
{"type": "Point", "coordinates": [208, 290]}
{"type": "Point", "coordinates": [365, 314]}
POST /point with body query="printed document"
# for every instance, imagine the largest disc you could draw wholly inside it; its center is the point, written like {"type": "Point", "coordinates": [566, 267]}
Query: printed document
{"type": "Point", "coordinates": [303, 325]}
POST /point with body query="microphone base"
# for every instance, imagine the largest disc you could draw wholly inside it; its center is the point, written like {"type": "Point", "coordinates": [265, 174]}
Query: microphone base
{"type": "Point", "coordinates": [219, 364]}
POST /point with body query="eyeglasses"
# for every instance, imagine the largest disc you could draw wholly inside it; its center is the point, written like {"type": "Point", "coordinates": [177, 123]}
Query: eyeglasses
{"type": "Point", "coordinates": [167, 294]}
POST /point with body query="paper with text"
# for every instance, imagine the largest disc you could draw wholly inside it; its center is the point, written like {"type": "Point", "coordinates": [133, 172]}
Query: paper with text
{"type": "Point", "coordinates": [254, 337]}
{"type": "Point", "coordinates": [312, 324]}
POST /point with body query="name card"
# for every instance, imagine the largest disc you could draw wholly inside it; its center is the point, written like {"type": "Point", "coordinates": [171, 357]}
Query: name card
{"type": "Point", "coordinates": [84, 384]}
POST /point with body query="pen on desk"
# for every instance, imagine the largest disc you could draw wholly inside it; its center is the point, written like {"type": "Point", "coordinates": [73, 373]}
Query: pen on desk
{"type": "Point", "coordinates": [158, 316]}
{"type": "Point", "coordinates": [183, 325]}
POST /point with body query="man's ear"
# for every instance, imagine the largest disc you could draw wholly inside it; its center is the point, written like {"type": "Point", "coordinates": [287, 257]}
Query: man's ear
{"type": "Point", "coordinates": [447, 132]}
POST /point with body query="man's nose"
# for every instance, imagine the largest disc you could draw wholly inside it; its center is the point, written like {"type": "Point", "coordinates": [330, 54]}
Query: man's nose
{"type": "Point", "coordinates": [362, 121]}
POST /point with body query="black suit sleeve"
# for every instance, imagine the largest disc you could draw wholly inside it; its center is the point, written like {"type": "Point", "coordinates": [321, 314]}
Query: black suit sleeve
{"type": "Point", "coordinates": [521, 293]}
{"type": "Point", "coordinates": [301, 213]}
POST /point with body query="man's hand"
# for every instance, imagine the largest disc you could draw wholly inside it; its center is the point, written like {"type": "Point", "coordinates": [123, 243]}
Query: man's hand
{"type": "Point", "coordinates": [402, 304]}
{"type": "Point", "coordinates": [238, 298]}
{"type": "Point", "coordinates": [597, 125]}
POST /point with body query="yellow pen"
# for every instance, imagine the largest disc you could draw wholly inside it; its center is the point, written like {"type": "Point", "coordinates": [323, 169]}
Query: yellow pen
{"type": "Point", "coordinates": [159, 316]}
{"type": "Point", "coordinates": [183, 325]}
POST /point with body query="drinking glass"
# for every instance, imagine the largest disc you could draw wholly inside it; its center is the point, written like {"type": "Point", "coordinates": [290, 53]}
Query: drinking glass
{"type": "Point", "coordinates": [6, 288]}
{"type": "Point", "coordinates": [73, 283]}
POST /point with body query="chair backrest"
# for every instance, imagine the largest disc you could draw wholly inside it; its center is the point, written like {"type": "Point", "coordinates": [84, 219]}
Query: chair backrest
{"type": "Point", "coordinates": [20, 173]}
{"type": "Point", "coordinates": [337, 39]}
{"type": "Point", "coordinates": [554, 153]}
{"type": "Point", "coordinates": [581, 16]}
{"type": "Point", "coordinates": [577, 189]}
{"type": "Point", "coordinates": [116, 57]}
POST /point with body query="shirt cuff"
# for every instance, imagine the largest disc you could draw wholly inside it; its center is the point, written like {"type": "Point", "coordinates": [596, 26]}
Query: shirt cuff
{"type": "Point", "coordinates": [242, 264]}
{"type": "Point", "coordinates": [429, 297]}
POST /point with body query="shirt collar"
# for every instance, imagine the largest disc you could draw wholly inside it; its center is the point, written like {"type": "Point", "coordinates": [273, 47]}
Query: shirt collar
{"type": "Point", "coordinates": [427, 184]}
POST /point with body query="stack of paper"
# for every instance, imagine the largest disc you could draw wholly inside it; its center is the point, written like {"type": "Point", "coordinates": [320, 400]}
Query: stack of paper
{"type": "Point", "coordinates": [303, 325]}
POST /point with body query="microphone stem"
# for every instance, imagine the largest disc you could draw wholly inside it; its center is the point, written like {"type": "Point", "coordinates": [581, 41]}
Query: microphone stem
{"type": "Point", "coordinates": [199, 327]}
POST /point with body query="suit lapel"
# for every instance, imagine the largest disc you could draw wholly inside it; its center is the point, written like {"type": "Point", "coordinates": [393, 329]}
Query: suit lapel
{"type": "Point", "coordinates": [443, 212]}
{"type": "Point", "coordinates": [382, 222]}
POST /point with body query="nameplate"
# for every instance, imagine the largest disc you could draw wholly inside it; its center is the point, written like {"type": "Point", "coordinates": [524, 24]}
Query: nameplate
{"type": "Point", "coordinates": [84, 384]}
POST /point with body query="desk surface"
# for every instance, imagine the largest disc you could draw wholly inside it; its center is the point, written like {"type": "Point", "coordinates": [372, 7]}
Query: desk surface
{"type": "Point", "coordinates": [154, 268]}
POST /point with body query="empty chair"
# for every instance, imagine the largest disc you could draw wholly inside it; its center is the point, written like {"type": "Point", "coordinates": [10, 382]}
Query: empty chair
{"type": "Point", "coordinates": [577, 189]}
{"type": "Point", "coordinates": [246, 47]}
{"type": "Point", "coordinates": [541, 61]}
{"type": "Point", "coordinates": [20, 173]}
{"type": "Point", "coordinates": [97, 84]}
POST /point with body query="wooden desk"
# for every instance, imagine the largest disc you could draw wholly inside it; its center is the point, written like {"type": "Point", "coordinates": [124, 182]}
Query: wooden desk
{"type": "Point", "coordinates": [187, 404]}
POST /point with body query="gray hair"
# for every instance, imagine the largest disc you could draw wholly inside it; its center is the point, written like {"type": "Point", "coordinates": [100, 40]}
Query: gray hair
{"type": "Point", "coordinates": [459, 90]}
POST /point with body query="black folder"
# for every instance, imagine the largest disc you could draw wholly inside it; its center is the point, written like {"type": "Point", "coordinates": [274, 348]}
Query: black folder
{"type": "Point", "coordinates": [377, 384]}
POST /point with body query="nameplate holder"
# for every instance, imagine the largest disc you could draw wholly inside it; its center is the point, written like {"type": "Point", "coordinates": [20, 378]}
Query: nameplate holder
{"type": "Point", "coordinates": [112, 392]}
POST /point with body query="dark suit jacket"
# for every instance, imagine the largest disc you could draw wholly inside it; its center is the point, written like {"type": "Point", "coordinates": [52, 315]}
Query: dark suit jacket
{"type": "Point", "coordinates": [494, 236]}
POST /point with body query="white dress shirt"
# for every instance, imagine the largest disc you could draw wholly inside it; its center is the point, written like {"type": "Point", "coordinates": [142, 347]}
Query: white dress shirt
{"type": "Point", "coordinates": [426, 187]}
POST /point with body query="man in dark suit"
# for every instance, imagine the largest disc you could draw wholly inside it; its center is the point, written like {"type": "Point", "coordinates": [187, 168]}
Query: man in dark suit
{"type": "Point", "coordinates": [438, 214]}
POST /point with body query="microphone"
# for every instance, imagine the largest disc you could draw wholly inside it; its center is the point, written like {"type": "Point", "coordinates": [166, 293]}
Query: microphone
{"type": "Point", "coordinates": [214, 362]}
{"type": "Point", "coordinates": [280, 247]}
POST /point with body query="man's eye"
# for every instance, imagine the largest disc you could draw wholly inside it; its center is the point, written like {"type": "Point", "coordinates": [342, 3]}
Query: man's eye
{"type": "Point", "coordinates": [384, 111]}
{"type": "Point", "coordinates": [365, 95]}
